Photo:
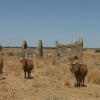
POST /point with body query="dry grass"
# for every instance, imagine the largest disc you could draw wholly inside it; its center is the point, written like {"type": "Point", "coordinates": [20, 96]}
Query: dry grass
{"type": "Point", "coordinates": [52, 79]}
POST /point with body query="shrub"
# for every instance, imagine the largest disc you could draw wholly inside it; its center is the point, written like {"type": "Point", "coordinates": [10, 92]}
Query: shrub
{"type": "Point", "coordinates": [52, 72]}
{"type": "Point", "coordinates": [10, 53]}
{"type": "Point", "coordinates": [97, 51]}
{"type": "Point", "coordinates": [84, 49]}
{"type": "Point", "coordinates": [54, 62]}
{"type": "Point", "coordinates": [96, 64]}
{"type": "Point", "coordinates": [93, 56]}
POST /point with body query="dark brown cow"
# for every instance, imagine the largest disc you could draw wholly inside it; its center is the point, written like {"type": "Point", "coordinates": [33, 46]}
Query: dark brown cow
{"type": "Point", "coordinates": [27, 66]}
{"type": "Point", "coordinates": [1, 66]}
{"type": "Point", "coordinates": [80, 71]}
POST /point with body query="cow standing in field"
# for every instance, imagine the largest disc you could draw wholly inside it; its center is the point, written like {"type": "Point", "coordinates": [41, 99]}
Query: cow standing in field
{"type": "Point", "coordinates": [1, 67]}
{"type": "Point", "coordinates": [80, 71]}
{"type": "Point", "coordinates": [27, 66]}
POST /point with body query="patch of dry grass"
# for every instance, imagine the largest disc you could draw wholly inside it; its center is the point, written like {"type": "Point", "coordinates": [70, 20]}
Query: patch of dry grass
{"type": "Point", "coordinates": [51, 81]}
{"type": "Point", "coordinates": [94, 77]}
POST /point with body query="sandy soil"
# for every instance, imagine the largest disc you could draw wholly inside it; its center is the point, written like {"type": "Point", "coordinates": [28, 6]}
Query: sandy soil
{"type": "Point", "coordinates": [51, 79]}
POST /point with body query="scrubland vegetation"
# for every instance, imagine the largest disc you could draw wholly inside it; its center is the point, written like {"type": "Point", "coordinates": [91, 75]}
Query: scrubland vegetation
{"type": "Point", "coordinates": [51, 79]}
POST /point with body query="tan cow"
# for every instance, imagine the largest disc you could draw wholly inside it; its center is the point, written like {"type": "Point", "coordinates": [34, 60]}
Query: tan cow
{"type": "Point", "coordinates": [48, 55]}
{"type": "Point", "coordinates": [27, 66]}
{"type": "Point", "coordinates": [1, 66]}
{"type": "Point", "coordinates": [71, 59]}
{"type": "Point", "coordinates": [80, 71]}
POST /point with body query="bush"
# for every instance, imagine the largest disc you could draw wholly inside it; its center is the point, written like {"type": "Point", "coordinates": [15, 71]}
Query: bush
{"type": "Point", "coordinates": [54, 62]}
{"type": "Point", "coordinates": [10, 53]}
{"type": "Point", "coordinates": [93, 56]}
{"type": "Point", "coordinates": [84, 49]}
{"type": "Point", "coordinates": [97, 51]}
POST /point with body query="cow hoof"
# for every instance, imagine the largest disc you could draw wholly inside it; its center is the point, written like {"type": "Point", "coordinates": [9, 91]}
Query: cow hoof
{"type": "Point", "coordinates": [29, 77]}
{"type": "Point", "coordinates": [76, 85]}
{"type": "Point", "coordinates": [84, 86]}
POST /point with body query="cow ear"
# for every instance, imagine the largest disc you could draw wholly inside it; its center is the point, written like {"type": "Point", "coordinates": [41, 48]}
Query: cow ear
{"type": "Point", "coordinates": [20, 60]}
{"type": "Point", "coordinates": [73, 64]}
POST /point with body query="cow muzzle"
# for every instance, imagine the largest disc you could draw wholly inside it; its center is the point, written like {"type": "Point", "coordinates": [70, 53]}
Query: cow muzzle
{"type": "Point", "coordinates": [76, 70]}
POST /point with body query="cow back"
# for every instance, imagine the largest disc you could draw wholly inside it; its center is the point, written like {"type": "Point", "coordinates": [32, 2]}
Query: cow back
{"type": "Point", "coordinates": [83, 69]}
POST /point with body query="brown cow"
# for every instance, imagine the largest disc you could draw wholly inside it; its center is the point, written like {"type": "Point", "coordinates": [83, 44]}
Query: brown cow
{"type": "Point", "coordinates": [80, 71]}
{"type": "Point", "coordinates": [1, 66]}
{"type": "Point", "coordinates": [27, 66]}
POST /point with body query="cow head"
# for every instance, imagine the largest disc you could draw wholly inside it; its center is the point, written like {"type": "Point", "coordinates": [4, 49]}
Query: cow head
{"type": "Point", "coordinates": [72, 67]}
{"type": "Point", "coordinates": [23, 61]}
{"type": "Point", "coordinates": [77, 66]}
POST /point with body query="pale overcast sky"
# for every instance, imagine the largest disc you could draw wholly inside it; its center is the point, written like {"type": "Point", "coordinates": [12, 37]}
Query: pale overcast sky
{"type": "Point", "coordinates": [49, 20]}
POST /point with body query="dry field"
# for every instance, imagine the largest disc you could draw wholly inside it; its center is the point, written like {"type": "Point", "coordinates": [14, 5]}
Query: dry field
{"type": "Point", "coordinates": [51, 79]}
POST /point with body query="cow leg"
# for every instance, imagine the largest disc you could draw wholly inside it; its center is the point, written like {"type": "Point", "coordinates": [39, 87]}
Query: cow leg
{"type": "Point", "coordinates": [25, 74]}
{"type": "Point", "coordinates": [83, 80]}
{"type": "Point", "coordinates": [0, 73]}
{"type": "Point", "coordinates": [77, 81]}
{"type": "Point", "coordinates": [29, 74]}
{"type": "Point", "coordinates": [0, 76]}
{"type": "Point", "coordinates": [80, 80]}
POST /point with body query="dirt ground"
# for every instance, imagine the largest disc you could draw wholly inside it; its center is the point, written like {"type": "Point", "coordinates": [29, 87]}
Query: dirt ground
{"type": "Point", "coordinates": [51, 79]}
